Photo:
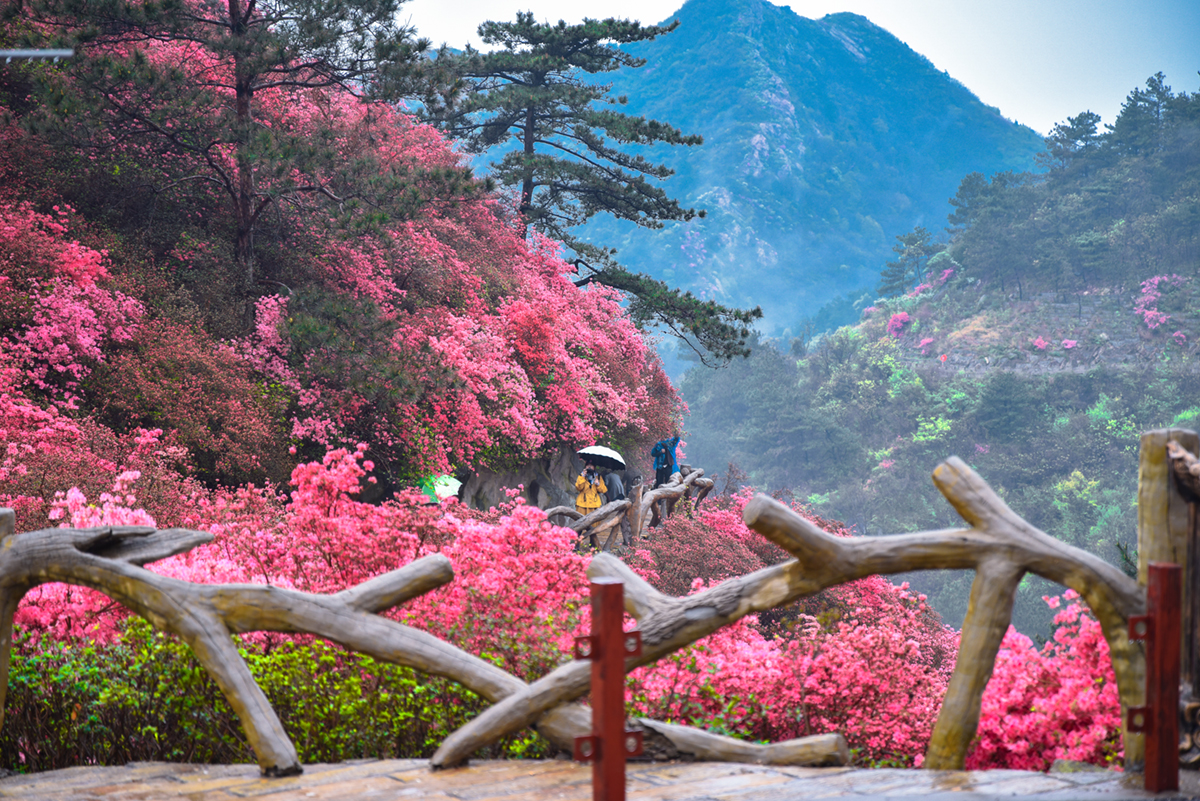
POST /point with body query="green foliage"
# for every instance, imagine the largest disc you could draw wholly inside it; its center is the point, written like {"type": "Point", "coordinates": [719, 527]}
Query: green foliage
{"type": "Point", "coordinates": [1006, 408]}
{"type": "Point", "coordinates": [146, 698]}
{"type": "Point", "coordinates": [856, 431]}
{"type": "Point", "coordinates": [708, 328]}
{"type": "Point", "coordinates": [567, 133]}
{"type": "Point", "coordinates": [1114, 207]}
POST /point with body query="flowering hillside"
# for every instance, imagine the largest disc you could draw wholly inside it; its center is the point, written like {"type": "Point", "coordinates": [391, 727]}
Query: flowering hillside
{"type": "Point", "coordinates": [444, 341]}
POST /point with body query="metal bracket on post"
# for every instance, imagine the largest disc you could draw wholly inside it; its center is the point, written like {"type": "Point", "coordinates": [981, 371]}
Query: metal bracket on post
{"type": "Point", "coordinates": [607, 647]}
{"type": "Point", "coordinates": [1159, 719]}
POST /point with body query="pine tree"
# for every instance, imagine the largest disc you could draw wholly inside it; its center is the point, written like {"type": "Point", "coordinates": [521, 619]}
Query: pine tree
{"type": "Point", "coordinates": [564, 145]}
{"type": "Point", "coordinates": [901, 275]}
{"type": "Point", "coordinates": [198, 92]}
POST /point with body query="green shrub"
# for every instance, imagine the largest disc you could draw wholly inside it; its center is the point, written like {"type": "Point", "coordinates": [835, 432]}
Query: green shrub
{"type": "Point", "coordinates": [146, 698]}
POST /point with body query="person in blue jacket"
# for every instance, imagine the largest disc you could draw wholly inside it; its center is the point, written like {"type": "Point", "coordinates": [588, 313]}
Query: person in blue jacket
{"type": "Point", "coordinates": [664, 460]}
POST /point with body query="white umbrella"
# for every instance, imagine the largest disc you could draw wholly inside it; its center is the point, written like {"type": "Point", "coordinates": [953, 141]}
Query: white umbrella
{"type": "Point", "coordinates": [446, 487]}
{"type": "Point", "coordinates": [602, 457]}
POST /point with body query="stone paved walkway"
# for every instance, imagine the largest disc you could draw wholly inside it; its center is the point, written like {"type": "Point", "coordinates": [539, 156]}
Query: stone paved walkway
{"type": "Point", "coordinates": [411, 780]}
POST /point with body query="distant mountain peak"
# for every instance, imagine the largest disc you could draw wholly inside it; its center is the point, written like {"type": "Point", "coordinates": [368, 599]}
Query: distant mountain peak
{"type": "Point", "coordinates": [824, 140]}
{"type": "Point", "coordinates": [840, 33]}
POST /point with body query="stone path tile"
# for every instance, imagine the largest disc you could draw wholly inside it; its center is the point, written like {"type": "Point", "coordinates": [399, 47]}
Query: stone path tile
{"type": "Point", "coordinates": [411, 780]}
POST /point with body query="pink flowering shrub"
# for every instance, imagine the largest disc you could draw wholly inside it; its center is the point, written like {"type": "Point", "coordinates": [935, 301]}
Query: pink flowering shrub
{"type": "Point", "coordinates": [816, 667]}
{"type": "Point", "coordinates": [924, 344]}
{"type": "Point", "coordinates": [59, 319]}
{"type": "Point", "coordinates": [1153, 290]}
{"type": "Point", "coordinates": [1180, 338]}
{"type": "Point", "coordinates": [1069, 343]}
{"type": "Point", "coordinates": [441, 336]}
{"type": "Point", "coordinates": [509, 355]}
{"type": "Point", "coordinates": [897, 323]}
{"type": "Point", "coordinates": [1057, 702]}
{"type": "Point", "coordinates": [1040, 343]}
{"type": "Point", "coordinates": [516, 597]}
{"type": "Point", "coordinates": [518, 587]}
{"type": "Point", "coordinates": [65, 611]}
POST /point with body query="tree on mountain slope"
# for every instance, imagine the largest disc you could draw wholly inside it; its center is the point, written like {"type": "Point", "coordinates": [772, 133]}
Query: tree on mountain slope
{"type": "Point", "coordinates": [913, 251]}
{"type": "Point", "coordinates": [569, 156]}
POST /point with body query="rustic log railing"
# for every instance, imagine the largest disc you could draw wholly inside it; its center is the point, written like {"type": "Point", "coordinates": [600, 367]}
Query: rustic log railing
{"type": "Point", "coordinates": [642, 509]}
{"type": "Point", "coordinates": [204, 616]}
{"type": "Point", "coordinates": [999, 545]}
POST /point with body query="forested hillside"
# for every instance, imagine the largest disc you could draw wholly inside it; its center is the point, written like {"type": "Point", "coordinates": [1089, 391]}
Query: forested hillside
{"type": "Point", "coordinates": [313, 271]}
{"type": "Point", "coordinates": [822, 140]}
{"type": "Point", "coordinates": [1060, 322]}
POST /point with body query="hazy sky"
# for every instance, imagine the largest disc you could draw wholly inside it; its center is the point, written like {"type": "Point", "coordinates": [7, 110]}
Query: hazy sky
{"type": "Point", "coordinates": [1038, 61]}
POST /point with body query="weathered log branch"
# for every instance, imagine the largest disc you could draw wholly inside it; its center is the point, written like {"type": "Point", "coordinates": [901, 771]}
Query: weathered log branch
{"type": "Point", "coordinates": [679, 485]}
{"type": "Point", "coordinates": [569, 512]}
{"type": "Point", "coordinates": [1186, 469]}
{"type": "Point", "coordinates": [1001, 547]}
{"type": "Point", "coordinates": [667, 624]}
{"type": "Point", "coordinates": [594, 523]}
{"type": "Point", "coordinates": [687, 741]}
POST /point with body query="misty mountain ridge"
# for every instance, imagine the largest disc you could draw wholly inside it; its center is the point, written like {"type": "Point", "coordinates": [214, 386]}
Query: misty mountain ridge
{"type": "Point", "coordinates": [824, 140]}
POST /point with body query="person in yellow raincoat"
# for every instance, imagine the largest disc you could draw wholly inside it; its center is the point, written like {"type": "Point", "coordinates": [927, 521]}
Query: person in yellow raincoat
{"type": "Point", "coordinates": [591, 490]}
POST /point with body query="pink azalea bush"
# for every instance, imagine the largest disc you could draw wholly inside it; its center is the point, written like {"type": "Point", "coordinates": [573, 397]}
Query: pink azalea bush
{"type": "Point", "coordinates": [1146, 304]}
{"type": "Point", "coordinates": [816, 667]}
{"type": "Point", "coordinates": [1056, 702]}
{"type": "Point", "coordinates": [519, 582]}
{"type": "Point", "coordinates": [897, 323]}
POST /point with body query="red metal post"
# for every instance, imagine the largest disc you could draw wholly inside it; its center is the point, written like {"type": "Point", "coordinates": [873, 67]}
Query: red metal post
{"type": "Point", "coordinates": [607, 647]}
{"type": "Point", "coordinates": [1159, 718]}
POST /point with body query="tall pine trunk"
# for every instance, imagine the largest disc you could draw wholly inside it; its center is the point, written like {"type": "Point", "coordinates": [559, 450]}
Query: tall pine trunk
{"type": "Point", "coordinates": [527, 185]}
{"type": "Point", "coordinates": [244, 179]}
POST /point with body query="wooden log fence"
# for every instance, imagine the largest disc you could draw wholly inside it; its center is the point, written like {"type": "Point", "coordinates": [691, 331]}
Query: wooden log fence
{"type": "Point", "coordinates": [643, 509]}
{"type": "Point", "coordinates": [204, 616]}
{"type": "Point", "coordinates": [997, 544]}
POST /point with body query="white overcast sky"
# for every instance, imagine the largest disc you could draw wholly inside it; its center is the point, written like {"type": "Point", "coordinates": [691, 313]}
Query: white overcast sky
{"type": "Point", "coordinates": [1038, 61]}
